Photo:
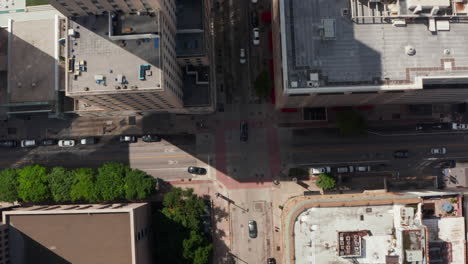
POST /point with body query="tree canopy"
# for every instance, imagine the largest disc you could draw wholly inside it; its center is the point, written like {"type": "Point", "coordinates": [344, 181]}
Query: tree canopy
{"type": "Point", "coordinates": [33, 184]}
{"type": "Point", "coordinates": [178, 229]}
{"type": "Point", "coordinates": [8, 185]}
{"type": "Point", "coordinates": [60, 183]}
{"type": "Point", "coordinates": [326, 181]}
{"type": "Point", "coordinates": [114, 181]}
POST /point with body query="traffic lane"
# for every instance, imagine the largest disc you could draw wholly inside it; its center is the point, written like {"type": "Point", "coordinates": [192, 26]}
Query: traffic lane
{"type": "Point", "coordinates": [331, 137]}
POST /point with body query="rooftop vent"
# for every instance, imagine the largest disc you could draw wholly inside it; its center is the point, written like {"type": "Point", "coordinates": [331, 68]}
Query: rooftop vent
{"type": "Point", "coordinates": [410, 50]}
{"type": "Point", "coordinates": [86, 88]}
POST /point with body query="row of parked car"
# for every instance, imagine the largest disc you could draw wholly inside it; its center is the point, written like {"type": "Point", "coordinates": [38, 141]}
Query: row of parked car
{"type": "Point", "coordinates": [343, 169]}
{"type": "Point", "coordinates": [27, 143]}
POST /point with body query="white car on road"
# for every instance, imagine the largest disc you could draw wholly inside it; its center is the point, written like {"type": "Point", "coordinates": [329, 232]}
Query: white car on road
{"type": "Point", "coordinates": [66, 143]}
{"type": "Point", "coordinates": [316, 171]}
{"type": "Point", "coordinates": [438, 151]}
{"type": "Point", "coordinates": [256, 36]}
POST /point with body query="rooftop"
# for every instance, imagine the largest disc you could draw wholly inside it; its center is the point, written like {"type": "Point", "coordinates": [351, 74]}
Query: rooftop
{"type": "Point", "coordinates": [31, 72]}
{"type": "Point", "coordinates": [190, 37]}
{"type": "Point", "coordinates": [114, 64]}
{"type": "Point", "coordinates": [71, 233]}
{"type": "Point", "coordinates": [327, 47]}
{"type": "Point", "coordinates": [375, 234]}
{"type": "Point", "coordinates": [7, 6]}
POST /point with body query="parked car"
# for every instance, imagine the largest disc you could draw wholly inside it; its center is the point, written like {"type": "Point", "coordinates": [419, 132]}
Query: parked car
{"type": "Point", "coordinates": [244, 131]}
{"type": "Point", "coordinates": [345, 169]}
{"type": "Point", "coordinates": [128, 139]}
{"type": "Point", "coordinates": [151, 138]}
{"type": "Point", "coordinates": [256, 36]}
{"type": "Point", "coordinates": [27, 143]}
{"type": "Point", "coordinates": [196, 170]}
{"type": "Point", "coordinates": [271, 261]}
{"type": "Point", "coordinates": [254, 18]}
{"type": "Point", "coordinates": [438, 151]}
{"type": "Point", "coordinates": [319, 170]}
{"type": "Point", "coordinates": [48, 142]}
{"type": "Point", "coordinates": [252, 229]}
{"type": "Point", "coordinates": [457, 126]}
{"type": "Point", "coordinates": [401, 154]}
{"type": "Point", "coordinates": [8, 143]}
{"type": "Point", "coordinates": [363, 168]}
{"type": "Point", "coordinates": [242, 56]}
{"type": "Point", "coordinates": [88, 141]}
{"type": "Point", "coordinates": [66, 143]}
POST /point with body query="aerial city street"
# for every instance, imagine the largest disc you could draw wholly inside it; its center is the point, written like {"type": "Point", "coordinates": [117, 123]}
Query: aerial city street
{"type": "Point", "coordinates": [233, 131]}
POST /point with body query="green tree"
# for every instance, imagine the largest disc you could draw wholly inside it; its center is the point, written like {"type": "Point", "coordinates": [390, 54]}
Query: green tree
{"type": "Point", "coordinates": [33, 185]}
{"type": "Point", "coordinates": [138, 185]}
{"type": "Point", "coordinates": [60, 184]}
{"type": "Point", "coordinates": [84, 185]}
{"type": "Point", "coordinates": [184, 207]}
{"type": "Point", "coordinates": [191, 244]}
{"type": "Point", "coordinates": [351, 123]}
{"type": "Point", "coordinates": [326, 181]}
{"type": "Point", "coordinates": [110, 181]}
{"type": "Point", "coordinates": [263, 84]}
{"type": "Point", "coordinates": [8, 185]}
{"type": "Point", "coordinates": [202, 254]}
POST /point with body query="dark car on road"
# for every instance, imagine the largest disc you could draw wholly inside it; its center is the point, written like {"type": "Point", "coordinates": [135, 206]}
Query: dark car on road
{"type": "Point", "coordinates": [48, 142]}
{"type": "Point", "coordinates": [401, 154]}
{"type": "Point", "coordinates": [244, 131]}
{"type": "Point", "coordinates": [128, 139]}
{"type": "Point", "coordinates": [8, 143]}
{"type": "Point", "coordinates": [252, 229]}
{"type": "Point", "coordinates": [151, 138]}
{"type": "Point", "coordinates": [271, 261]}
{"type": "Point", "coordinates": [196, 170]}
{"type": "Point", "coordinates": [254, 18]}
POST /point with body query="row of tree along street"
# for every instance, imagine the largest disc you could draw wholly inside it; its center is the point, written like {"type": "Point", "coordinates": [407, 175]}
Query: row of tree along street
{"type": "Point", "coordinates": [111, 182]}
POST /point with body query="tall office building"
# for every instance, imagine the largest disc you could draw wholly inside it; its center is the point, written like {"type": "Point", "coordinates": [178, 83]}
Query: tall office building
{"type": "Point", "coordinates": [355, 52]}
{"type": "Point", "coordinates": [122, 61]}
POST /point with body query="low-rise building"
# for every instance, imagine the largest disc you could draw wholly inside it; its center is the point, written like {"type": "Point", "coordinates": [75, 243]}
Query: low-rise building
{"type": "Point", "coordinates": [412, 228]}
{"type": "Point", "coordinates": [94, 233]}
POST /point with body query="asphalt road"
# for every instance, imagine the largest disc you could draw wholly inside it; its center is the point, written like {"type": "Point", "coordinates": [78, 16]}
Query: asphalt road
{"type": "Point", "coordinates": [306, 147]}
{"type": "Point", "coordinates": [164, 159]}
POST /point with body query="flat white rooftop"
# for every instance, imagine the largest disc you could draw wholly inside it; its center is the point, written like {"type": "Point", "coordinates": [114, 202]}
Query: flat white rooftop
{"type": "Point", "coordinates": [320, 37]}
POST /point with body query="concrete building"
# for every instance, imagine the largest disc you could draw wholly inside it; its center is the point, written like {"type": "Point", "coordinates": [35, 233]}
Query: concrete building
{"type": "Point", "coordinates": [387, 228]}
{"type": "Point", "coordinates": [124, 64]}
{"type": "Point", "coordinates": [193, 41]}
{"type": "Point", "coordinates": [113, 233]}
{"type": "Point", "coordinates": [96, 7]}
{"type": "Point", "coordinates": [363, 52]}
{"type": "Point", "coordinates": [32, 72]}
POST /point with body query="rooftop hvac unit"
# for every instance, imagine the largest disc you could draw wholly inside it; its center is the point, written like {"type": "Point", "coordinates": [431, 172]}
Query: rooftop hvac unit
{"type": "Point", "coordinates": [294, 84]}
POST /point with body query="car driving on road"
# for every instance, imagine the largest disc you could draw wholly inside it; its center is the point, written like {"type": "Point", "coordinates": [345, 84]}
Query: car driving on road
{"type": "Point", "coordinates": [244, 131]}
{"type": "Point", "coordinates": [242, 59]}
{"type": "Point", "coordinates": [256, 36]}
{"type": "Point", "coordinates": [252, 229]}
{"type": "Point", "coordinates": [196, 170]}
